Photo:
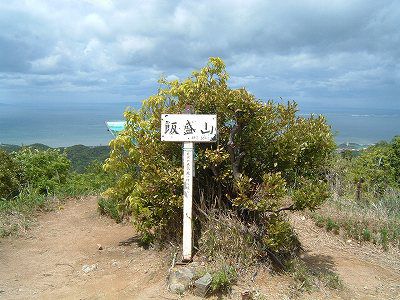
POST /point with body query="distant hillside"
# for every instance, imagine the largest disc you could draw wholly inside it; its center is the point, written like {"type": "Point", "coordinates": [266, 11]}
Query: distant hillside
{"type": "Point", "coordinates": [9, 148]}
{"type": "Point", "coordinates": [352, 146]}
{"type": "Point", "coordinates": [80, 156]}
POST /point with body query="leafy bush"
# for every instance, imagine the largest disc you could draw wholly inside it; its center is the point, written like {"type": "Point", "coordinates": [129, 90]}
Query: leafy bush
{"type": "Point", "coordinates": [223, 279]}
{"type": "Point", "coordinates": [11, 177]}
{"type": "Point", "coordinates": [264, 153]}
{"type": "Point", "coordinates": [378, 168]}
{"type": "Point", "coordinates": [43, 170]}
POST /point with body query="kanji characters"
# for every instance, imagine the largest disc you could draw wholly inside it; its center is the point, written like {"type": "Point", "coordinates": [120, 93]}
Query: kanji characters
{"type": "Point", "coordinates": [206, 130]}
{"type": "Point", "coordinates": [188, 128]}
{"type": "Point", "coordinates": [170, 127]}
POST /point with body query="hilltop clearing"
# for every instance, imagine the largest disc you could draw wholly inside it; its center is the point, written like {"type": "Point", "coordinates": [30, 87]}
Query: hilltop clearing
{"type": "Point", "coordinates": [60, 258]}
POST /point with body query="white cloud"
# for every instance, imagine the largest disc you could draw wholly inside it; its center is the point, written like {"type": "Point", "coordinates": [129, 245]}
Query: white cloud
{"type": "Point", "coordinates": [307, 48]}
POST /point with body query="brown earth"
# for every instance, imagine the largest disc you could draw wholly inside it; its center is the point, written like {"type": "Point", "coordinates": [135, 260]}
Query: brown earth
{"type": "Point", "coordinates": [48, 261]}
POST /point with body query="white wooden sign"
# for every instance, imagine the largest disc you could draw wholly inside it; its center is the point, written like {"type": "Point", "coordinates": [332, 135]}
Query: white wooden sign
{"type": "Point", "coordinates": [188, 128]}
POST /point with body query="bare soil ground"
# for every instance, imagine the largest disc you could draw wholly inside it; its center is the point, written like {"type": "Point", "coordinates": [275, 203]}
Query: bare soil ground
{"type": "Point", "coordinates": [47, 262]}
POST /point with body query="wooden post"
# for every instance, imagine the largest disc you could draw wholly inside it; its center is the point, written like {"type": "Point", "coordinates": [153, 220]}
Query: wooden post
{"type": "Point", "coordinates": [187, 200]}
{"type": "Point", "coordinates": [187, 195]}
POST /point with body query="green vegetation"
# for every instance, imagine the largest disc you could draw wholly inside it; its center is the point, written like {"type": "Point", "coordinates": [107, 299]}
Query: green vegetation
{"type": "Point", "coordinates": [11, 178]}
{"type": "Point", "coordinates": [223, 279]}
{"type": "Point", "coordinates": [33, 180]}
{"type": "Point", "coordinates": [307, 279]}
{"type": "Point", "coordinates": [43, 170]}
{"type": "Point", "coordinates": [365, 205]}
{"type": "Point", "coordinates": [16, 214]}
{"type": "Point", "coordinates": [80, 156]}
{"type": "Point", "coordinates": [266, 162]}
{"type": "Point", "coordinates": [377, 222]}
{"type": "Point", "coordinates": [264, 154]}
{"type": "Point", "coordinates": [110, 207]}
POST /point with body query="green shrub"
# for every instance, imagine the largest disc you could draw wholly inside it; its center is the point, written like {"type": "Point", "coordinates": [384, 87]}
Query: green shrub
{"type": "Point", "coordinates": [319, 220]}
{"type": "Point", "coordinates": [264, 153]}
{"type": "Point", "coordinates": [384, 238]}
{"type": "Point", "coordinates": [226, 238]}
{"type": "Point", "coordinates": [11, 177]}
{"type": "Point", "coordinates": [223, 279]}
{"type": "Point", "coordinates": [366, 234]}
{"type": "Point", "coordinates": [332, 226]}
{"type": "Point", "coordinates": [110, 208]}
{"type": "Point", "coordinates": [44, 170]}
{"type": "Point", "coordinates": [377, 168]}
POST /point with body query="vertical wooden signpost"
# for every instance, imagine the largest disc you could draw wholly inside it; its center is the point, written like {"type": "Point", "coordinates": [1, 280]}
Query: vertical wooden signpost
{"type": "Point", "coordinates": [189, 129]}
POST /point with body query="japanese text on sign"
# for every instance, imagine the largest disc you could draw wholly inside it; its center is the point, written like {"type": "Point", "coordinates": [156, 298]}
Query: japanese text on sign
{"type": "Point", "coordinates": [188, 128]}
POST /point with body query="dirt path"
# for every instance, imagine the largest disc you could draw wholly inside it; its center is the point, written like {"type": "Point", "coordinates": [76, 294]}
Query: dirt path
{"type": "Point", "coordinates": [366, 271]}
{"type": "Point", "coordinates": [48, 262]}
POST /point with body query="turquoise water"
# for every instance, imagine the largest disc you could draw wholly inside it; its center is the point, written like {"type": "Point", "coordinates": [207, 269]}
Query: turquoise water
{"type": "Point", "coordinates": [65, 124]}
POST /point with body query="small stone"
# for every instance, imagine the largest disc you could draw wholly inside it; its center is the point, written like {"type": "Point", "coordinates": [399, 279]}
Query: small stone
{"type": "Point", "coordinates": [303, 218]}
{"type": "Point", "coordinates": [247, 295]}
{"type": "Point", "coordinates": [348, 241]}
{"type": "Point", "coordinates": [89, 268]}
{"type": "Point", "coordinates": [100, 247]}
{"type": "Point", "coordinates": [202, 285]}
{"type": "Point", "coordinates": [177, 288]}
{"type": "Point", "coordinates": [180, 279]}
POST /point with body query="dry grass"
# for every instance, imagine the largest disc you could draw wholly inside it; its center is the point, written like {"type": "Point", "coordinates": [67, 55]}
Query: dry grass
{"type": "Point", "coordinates": [374, 221]}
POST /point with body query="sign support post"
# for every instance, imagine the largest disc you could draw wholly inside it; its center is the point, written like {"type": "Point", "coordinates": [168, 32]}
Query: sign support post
{"type": "Point", "coordinates": [187, 200]}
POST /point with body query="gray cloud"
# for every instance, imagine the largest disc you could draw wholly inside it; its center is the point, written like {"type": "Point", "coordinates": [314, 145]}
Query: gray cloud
{"type": "Point", "coordinates": [304, 50]}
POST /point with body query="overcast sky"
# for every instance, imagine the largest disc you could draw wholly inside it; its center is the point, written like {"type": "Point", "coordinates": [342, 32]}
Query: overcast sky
{"type": "Point", "coordinates": [324, 53]}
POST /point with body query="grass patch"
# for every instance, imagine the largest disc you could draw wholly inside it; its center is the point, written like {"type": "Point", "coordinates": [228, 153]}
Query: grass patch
{"type": "Point", "coordinates": [377, 222]}
{"type": "Point", "coordinates": [17, 214]}
{"type": "Point", "coordinates": [307, 279]}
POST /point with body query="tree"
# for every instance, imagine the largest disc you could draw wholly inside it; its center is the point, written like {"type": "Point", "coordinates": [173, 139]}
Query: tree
{"type": "Point", "coordinates": [264, 153]}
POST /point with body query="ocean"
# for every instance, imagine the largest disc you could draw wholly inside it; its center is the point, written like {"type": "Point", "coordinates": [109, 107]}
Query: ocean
{"type": "Point", "coordinates": [66, 124]}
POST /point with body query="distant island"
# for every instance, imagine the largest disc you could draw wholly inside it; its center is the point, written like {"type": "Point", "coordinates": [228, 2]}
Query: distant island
{"type": "Point", "coordinates": [80, 156]}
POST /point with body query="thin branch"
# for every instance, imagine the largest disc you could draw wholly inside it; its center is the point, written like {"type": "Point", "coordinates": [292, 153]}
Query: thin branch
{"type": "Point", "coordinates": [290, 208]}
